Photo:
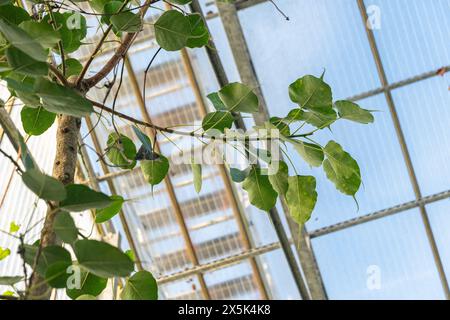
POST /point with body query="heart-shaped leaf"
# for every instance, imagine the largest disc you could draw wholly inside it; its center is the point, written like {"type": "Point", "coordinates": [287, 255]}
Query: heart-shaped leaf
{"type": "Point", "coordinates": [260, 191]}
{"type": "Point", "coordinates": [141, 286]}
{"type": "Point", "coordinates": [237, 97]}
{"type": "Point", "coordinates": [172, 30]}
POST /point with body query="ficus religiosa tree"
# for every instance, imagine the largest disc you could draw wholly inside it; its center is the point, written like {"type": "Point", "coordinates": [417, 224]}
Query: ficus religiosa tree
{"type": "Point", "coordinates": [39, 43]}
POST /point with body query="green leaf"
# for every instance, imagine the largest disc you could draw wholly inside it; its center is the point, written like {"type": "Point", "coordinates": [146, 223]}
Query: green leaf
{"type": "Point", "coordinates": [72, 29]}
{"type": "Point", "coordinates": [45, 187]}
{"type": "Point", "coordinates": [351, 111]}
{"type": "Point", "coordinates": [237, 97]}
{"type": "Point", "coordinates": [102, 259]}
{"type": "Point", "coordinates": [141, 286]}
{"type": "Point", "coordinates": [127, 21]}
{"type": "Point", "coordinates": [49, 255]}
{"type": "Point", "coordinates": [98, 5]}
{"type": "Point", "coordinates": [197, 173]}
{"type": "Point", "coordinates": [218, 120]}
{"type": "Point", "coordinates": [73, 67]}
{"type": "Point", "coordinates": [121, 151]}
{"type": "Point", "coordinates": [4, 253]}
{"type": "Point", "coordinates": [90, 285]}
{"type": "Point", "coordinates": [13, 227]}
{"type": "Point", "coordinates": [56, 274]}
{"type": "Point", "coordinates": [65, 227]}
{"type": "Point", "coordinates": [25, 155]}
{"type": "Point", "coordinates": [311, 153]}
{"type": "Point", "coordinates": [172, 30]}
{"type": "Point", "coordinates": [279, 180]}
{"type": "Point", "coordinates": [311, 93]}
{"type": "Point", "coordinates": [215, 100]}
{"type": "Point", "coordinates": [81, 198]}
{"type": "Point", "coordinates": [36, 121]}
{"type": "Point", "coordinates": [8, 293]}
{"type": "Point", "coordinates": [42, 32]}
{"type": "Point", "coordinates": [59, 99]}
{"type": "Point", "coordinates": [5, 2]}
{"type": "Point", "coordinates": [109, 212]}
{"type": "Point", "coordinates": [320, 118]}
{"type": "Point", "coordinates": [110, 9]}
{"type": "Point", "coordinates": [155, 170]}
{"type": "Point", "coordinates": [23, 86]}
{"type": "Point", "coordinates": [24, 64]}
{"type": "Point", "coordinates": [260, 191]}
{"type": "Point", "coordinates": [281, 125]}
{"type": "Point", "coordinates": [145, 140]}
{"type": "Point", "coordinates": [9, 281]}
{"type": "Point", "coordinates": [301, 198]}
{"type": "Point", "coordinates": [199, 32]}
{"type": "Point", "coordinates": [239, 175]}
{"type": "Point", "coordinates": [14, 14]}
{"type": "Point", "coordinates": [180, 2]}
{"type": "Point", "coordinates": [131, 255]}
{"type": "Point", "coordinates": [341, 169]}
{"type": "Point", "coordinates": [22, 41]}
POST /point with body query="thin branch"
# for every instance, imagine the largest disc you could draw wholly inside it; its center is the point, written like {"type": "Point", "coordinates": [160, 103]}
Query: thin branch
{"type": "Point", "coordinates": [59, 75]}
{"type": "Point", "coordinates": [97, 48]}
{"type": "Point", "coordinates": [119, 54]}
{"type": "Point", "coordinates": [60, 46]}
{"type": "Point", "coordinates": [183, 133]}
{"type": "Point", "coordinates": [14, 162]}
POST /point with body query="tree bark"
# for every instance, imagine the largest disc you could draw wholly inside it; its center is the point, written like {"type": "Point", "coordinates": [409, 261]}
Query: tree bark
{"type": "Point", "coordinates": [63, 170]}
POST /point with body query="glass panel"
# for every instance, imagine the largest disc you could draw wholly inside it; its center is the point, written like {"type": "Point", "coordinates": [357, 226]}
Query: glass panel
{"type": "Point", "coordinates": [424, 114]}
{"type": "Point", "coordinates": [281, 284]}
{"type": "Point", "coordinates": [388, 258]}
{"type": "Point", "coordinates": [321, 35]}
{"type": "Point", "coordinates": [439, 215]}
{"type": "Point", "coordinates": [233, 282]}
{"type": "Point", "coordinates": [414, 36]}
{"type": "Point", "coordinates": [375, 147]}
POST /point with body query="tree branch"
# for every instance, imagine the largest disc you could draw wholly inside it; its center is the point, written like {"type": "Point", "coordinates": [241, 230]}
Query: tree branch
{"type": "Point", "coordinates": [120, 52]}
{"type": "Point", "coordinates": [97, 48]}
{"type": "Point", "coordinates": [184, 133]}
{"type": "Point", "coordinates": [59, 75]}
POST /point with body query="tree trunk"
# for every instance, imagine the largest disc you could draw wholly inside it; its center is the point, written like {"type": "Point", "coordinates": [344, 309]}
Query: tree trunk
{"type": "Point", "coordinates": [63, 170]}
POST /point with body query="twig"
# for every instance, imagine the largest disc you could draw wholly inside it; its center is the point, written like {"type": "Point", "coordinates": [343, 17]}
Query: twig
{"type": "Point", "coordinates": [97, 48]}
{"type": "Point", "coordinates": [59, 75]}
{"type": "Point", "coordinates": [14, 162]}
{"type": "Point", "coordinates": [60, 46]}
{"type": "Point", "coordinates": [120, 52]}
{"type": "Point", "coordinates": [183, 133]}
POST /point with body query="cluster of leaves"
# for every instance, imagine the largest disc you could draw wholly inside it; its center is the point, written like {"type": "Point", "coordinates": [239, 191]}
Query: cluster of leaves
{"type": "Point", "coordinates": [315, 107]}
{"type": "Point", "coordinates": [29, 47]}
{"type": "Point", "coordinates": [97, 261]}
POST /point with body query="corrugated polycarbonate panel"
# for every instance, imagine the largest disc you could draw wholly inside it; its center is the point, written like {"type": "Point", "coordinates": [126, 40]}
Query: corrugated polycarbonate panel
{"type": "Point", "coordinates": [329, 35]}
{"type": "Point", "coordinates": [384, 259]}
{"type": "Point", "coordinates": [233, 282]}
{"type": "Point", "coordinates": [424, 114]}
{"type": "Point", "coordinates": [439, 214]}
{"type": "Point", "coordinates": [413, 36]}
